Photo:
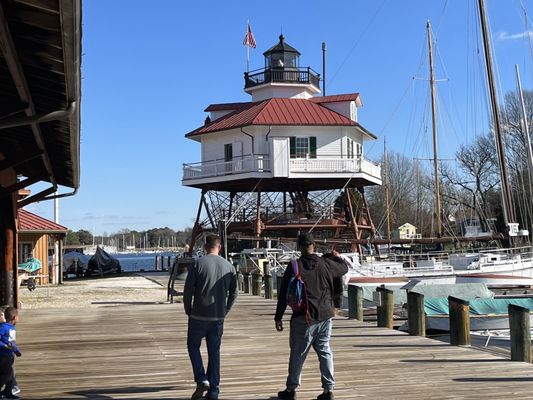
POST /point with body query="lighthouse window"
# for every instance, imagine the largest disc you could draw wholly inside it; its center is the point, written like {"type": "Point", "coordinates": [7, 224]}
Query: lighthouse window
{"type": "Point", "coordinates": [303, 147]}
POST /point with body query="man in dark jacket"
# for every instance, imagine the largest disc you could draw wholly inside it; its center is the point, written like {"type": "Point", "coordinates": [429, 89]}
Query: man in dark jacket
{"type": "Point", "coordinates": [313, 326]}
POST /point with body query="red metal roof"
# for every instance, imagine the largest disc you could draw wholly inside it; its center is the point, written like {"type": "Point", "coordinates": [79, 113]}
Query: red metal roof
{"type": "Point", "coordinates": [276, 111]}
{"type": "Point", "coordinates": [335, 98]}
{"type": "Point", "coordinates": [225, 106]}
{"type": "Point", "coordinates": [29, 222]}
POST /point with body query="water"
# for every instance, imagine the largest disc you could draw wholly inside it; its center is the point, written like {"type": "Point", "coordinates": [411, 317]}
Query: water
{"type": "Point", "coordinates": [138, 261]}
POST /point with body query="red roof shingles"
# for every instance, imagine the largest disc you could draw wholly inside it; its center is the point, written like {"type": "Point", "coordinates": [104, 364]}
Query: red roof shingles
{"type": "Point", "coordinates": [335, 98]}
{"type": "Point", "coordinates": [29, 222]}
{"type": "Point", "coordinates": [276, 111]}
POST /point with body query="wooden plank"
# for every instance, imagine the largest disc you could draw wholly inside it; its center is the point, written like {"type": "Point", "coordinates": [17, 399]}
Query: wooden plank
{"type": "Point", "coordinates": [139, 352]}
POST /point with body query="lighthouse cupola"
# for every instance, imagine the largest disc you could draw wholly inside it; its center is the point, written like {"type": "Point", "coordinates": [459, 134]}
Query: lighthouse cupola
{"type": "Point", "coordinates": [282, 75]}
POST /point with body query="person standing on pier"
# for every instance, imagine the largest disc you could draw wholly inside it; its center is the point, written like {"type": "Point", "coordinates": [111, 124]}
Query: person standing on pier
{"type": "Point", "coordinates": [311, 326]}
{"type": "Point", "coordinates": [210, 291]}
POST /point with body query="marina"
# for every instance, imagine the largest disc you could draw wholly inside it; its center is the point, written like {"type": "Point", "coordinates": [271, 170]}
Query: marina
{"type": "Point", "coordinates": [148, 360]}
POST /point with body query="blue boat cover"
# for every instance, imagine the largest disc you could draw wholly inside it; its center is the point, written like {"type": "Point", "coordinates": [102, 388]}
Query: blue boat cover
{"type": "Point", "coordinates": [439, 306]}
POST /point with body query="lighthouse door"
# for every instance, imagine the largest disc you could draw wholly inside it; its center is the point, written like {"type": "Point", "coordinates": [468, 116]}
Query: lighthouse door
{"type": "Point", "coordinates": [279, 152]}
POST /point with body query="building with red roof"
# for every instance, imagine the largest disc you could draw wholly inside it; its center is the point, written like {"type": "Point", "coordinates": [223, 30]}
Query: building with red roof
{"type": "Point", "coordinates": [286, 139]}
{"type": "Point", "coordinates": [35, 236]}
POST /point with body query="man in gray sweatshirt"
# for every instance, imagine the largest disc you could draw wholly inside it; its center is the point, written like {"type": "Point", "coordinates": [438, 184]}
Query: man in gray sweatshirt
{"type": "Point", "coordinates": [212, 284]}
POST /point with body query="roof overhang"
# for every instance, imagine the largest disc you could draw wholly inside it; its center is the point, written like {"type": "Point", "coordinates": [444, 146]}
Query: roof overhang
{"type": "Point", "coordinates": [40, 81]}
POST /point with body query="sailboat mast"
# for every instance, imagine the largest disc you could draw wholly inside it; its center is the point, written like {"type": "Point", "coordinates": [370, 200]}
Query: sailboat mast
{"type": "Point", "coordinates": [508, 211]}
{"type": "Point", "coordinates": [434, 121]}
{"type": "Point", "coordinates": [387, 203]}
{"type": "Point", "coordinates": [527, 139]}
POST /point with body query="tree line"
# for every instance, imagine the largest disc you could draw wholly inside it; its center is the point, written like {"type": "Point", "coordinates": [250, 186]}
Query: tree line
{"type": "Point", "coordinates": [469, 188]}
{"type": "Point", "coordinates": [128, 239]}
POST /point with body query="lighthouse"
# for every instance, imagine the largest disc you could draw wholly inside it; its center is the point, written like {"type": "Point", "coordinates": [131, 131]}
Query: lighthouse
{"type": "Point", "coordinates": [288, 161]}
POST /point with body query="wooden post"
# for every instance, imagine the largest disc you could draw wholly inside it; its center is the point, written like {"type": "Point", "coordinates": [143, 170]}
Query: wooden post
{"type": "Point", "coordinates": [256, 284]}
{"type": "Point", "coordinates": [240, 281]}
{"type": "Point", "coordinates": [247, 282]}
{"type": "Point", "coordinates": [459, 321]}
{"type": "Point", "coordinates": [355, 302]}
{"type": "Point", "coordinates": [520, 333]}
{"type": "Point", "coordinates": [386, 309]}
{"type": "Point", "coordinates": [8, 251]}
{"type": "Point", "coordinates": [269, 290]}
{"type": "Point", "coordinates": [415, 314]}
{"type": "Point", "coordinates": [60, 260]}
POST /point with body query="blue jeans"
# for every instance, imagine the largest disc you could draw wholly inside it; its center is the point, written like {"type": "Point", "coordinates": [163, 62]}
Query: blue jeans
{"type": "Point", "coordinates": [212, 331]}
{"type": "Point", "coordinates": [302, 337]}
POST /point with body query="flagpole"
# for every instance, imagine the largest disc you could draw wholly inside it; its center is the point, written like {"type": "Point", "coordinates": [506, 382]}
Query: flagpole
{"type": "Point", "coordinates": [247, 48]}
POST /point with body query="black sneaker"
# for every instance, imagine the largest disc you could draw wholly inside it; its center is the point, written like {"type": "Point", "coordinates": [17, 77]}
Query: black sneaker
{"type": "Point", "coordinates": [201, 388]}
{"type": "Point", "coordinates": [287, 395]}
{"type": "Point", "coordinates": [326, 396]}
{"type": "Point", "coordinates": [10, 396]}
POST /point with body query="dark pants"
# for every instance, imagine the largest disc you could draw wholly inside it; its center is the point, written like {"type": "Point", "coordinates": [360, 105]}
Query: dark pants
{"type": "Point", "coordinates": [212, 331]}
{"type": "Point", "coordinates": [6, 371]}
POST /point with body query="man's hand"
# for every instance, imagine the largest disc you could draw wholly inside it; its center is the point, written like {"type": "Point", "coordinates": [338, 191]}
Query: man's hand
{"type": "Point", "coordinates": [18, 354]}
{"type": "Point", "coordinates": [335, 253]}
{"type": "Point", "coordinates": [279, 325]}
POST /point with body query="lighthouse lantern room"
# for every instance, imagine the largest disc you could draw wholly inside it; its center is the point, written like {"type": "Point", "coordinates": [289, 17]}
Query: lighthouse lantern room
{"type": "Point", "coordinates": [286, 162]}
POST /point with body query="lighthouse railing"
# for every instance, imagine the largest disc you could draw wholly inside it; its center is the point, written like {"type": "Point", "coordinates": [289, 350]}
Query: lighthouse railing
{"type": "Point", "coordinates": [323, 164]}
{"type": "Point", "coordinates": [238, 165]}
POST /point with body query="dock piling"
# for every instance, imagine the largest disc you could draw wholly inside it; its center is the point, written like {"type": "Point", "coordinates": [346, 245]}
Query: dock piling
{"type": "Point", "coordinates": [269, 290]}
{"type": "Point", "coordinates": [520, 333]}
{"type": "Point", "coordinates": [459, 321]}
{"type": "Point", "coordinates": [386, 310]}
{"type": "Point", "coordinates": [355, 302]}
{"type": "Point", "coordinates": [257, 282]}
{"type": "Point", "coordinates": [415, 314]}
{"type": "Point", "coordinates": [247, 282]}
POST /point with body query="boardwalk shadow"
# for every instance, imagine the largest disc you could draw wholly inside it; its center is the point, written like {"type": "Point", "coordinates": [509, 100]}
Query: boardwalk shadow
{"type": "Point", "coordinates": [129, 303]}
{"type": "Point", "coordinates": [109, 393]}
{"type": "Point", "coordinates": [414, 346]}
{"type": "Point", "coordinates": [450, 360]}
{"type": "Point", "coordinates": [512, 379]}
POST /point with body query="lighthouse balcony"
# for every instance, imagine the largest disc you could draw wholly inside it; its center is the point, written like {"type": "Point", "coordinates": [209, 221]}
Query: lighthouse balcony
{"type": "Point", "coordinates": [330, 171]}
{"type": "Point", "coordinates": [281, 75]}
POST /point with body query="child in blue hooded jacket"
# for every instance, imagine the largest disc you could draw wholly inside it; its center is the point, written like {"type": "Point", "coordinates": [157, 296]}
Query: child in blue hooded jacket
{"type": "Point", "coordinates": [8, 351]}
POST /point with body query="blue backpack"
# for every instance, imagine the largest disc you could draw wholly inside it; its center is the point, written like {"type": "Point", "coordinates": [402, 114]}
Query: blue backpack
{"type": "Point", "coordinates": [296, 295]}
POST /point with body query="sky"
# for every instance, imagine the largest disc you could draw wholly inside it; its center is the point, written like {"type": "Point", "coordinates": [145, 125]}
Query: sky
{"type": "Point", "coordinates": [150, 69]}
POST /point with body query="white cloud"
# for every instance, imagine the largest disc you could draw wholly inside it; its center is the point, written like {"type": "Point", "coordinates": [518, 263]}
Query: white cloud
{"type": "Point", "coordinates": [506, 36]}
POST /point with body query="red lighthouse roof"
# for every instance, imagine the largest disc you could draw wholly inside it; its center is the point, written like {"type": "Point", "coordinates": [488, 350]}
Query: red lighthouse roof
{"type": "Point", "coordinates": [276, 111]}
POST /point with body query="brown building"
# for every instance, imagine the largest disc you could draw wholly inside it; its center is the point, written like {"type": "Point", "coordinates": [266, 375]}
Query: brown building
{"type": "Point", "coordinates": [35, 236]}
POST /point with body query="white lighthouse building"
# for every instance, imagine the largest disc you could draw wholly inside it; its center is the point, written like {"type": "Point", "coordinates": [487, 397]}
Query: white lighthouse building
{"type": "Point", "coordinates": [292, 149]}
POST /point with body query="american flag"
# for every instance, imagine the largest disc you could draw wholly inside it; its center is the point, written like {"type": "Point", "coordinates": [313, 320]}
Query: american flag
{"type": "Point", "coordinates": [249, 39]}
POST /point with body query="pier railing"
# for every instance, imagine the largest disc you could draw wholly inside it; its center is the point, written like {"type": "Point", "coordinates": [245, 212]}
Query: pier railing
{"type": "Point", "coordinates": [239, 165]}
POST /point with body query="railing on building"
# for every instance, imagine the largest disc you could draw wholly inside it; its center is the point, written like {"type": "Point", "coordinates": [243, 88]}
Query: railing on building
{"type": "Point", "coordinates": [330, 164]}
{"type": "Point", "coordinates": [261, 163]}
{"type": "Point", "coordinates": [239, 165]}
{"type": "Point", "coordinates": [286, 75]}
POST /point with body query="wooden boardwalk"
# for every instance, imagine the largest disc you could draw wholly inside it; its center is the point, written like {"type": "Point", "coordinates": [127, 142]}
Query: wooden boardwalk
{"type": "Point", "coordinates": [138, 351]}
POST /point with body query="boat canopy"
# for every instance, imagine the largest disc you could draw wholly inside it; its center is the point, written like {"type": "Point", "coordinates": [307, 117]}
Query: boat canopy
{"type": "Point", "coordinates": [439, 306]}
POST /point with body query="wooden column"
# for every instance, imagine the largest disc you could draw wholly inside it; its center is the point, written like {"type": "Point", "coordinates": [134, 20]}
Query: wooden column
{"type": "Point", "coordinates": [459, 321]}
{"type": "Point", "coordinates": [60, 260]}
{"type": "Point", "coordinates": [247, 282]}
{"type": "Point", "coordinates": [520, 333]}
{"type": "Point", "coordinates": [240, 281]}
{"type": "Point", "coordinates": [415, 314]}
{"type": "Point", "coordinates": [386, 309]}
{"type": "Point", "coordinates": [355, 302]}
{"type": "Point", "coordinates": [257, 282]}
{"type": "Point", "coordinates": [269, 289]}
{"type": "Point", "coordinates": [8, 251]}
{"type": "Point", "coordinates": [257, 229]}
